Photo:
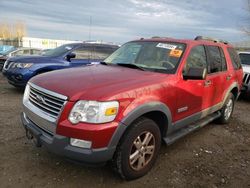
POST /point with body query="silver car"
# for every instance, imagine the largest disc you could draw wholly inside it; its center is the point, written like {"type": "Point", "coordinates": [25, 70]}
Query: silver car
{"type": "Point", "coordinates": [245, 61]}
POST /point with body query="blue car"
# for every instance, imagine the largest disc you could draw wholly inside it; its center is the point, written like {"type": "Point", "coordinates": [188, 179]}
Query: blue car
{"type": "Point", "coordinates": [18, 70]}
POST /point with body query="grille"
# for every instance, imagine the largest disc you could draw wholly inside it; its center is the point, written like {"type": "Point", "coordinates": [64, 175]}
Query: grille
{"type": "Point", "coordinates": [7, 65]}
{"type": "Point", "coordinates": [246, 78]}
{"type": "Point", "coordinates": [48, 103]}
{"type": "Point", "coordinates": [2, 61]}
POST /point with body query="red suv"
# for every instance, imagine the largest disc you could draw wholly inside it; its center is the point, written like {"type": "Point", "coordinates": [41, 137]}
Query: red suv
{"type": "Point", "coordinates": [148, 91]}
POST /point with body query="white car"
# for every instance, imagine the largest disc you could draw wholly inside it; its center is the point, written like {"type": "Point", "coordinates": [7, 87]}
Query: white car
{"type": "Point", "coordinates": [245, 61]}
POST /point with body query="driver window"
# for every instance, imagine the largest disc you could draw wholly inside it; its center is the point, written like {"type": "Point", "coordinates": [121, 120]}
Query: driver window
{"type": "Point", "coordinates": [196, 59]}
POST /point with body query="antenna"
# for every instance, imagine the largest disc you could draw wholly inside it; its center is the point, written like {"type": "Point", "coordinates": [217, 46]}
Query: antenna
{"type": "Point", "coordinates": [90, 25]}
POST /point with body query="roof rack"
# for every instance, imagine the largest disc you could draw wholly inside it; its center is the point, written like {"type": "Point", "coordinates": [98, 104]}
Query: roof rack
{"type": "Point", "coordinates": [211, 39]}
{"type": "Point", "coordinates": [158, 37]}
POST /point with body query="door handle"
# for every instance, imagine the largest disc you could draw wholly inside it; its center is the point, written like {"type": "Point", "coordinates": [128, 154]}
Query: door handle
{"type": "Point", "coordinates": [229, 77]}
{"type": "Point", "coordinates": [207, 83]}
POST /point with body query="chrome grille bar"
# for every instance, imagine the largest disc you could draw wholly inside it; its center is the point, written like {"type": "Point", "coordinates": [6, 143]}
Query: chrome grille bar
{"type": "Point", "coordinates": [246, 78]}
{"type": "Point", "coordinates": [49, 102]}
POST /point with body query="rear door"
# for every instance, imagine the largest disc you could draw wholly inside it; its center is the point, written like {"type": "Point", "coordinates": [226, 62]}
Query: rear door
{"type": "Point", "coordinates": [218, 77]}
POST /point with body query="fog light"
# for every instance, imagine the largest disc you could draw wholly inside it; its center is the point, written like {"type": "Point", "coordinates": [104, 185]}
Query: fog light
{"type": "Point", "coordinates": [80, 143]}
{"type": "Point", "coordinates": [19, 77]}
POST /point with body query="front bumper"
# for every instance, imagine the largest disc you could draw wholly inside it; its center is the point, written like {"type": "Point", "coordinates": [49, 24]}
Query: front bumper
{"type": "Point", "coordinates": [18, 77]}
{"type": "Point", "coordinates": [61, 145]}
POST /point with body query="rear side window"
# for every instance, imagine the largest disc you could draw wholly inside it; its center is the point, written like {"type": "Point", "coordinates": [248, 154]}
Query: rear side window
{"type": "Point", "coordinates": [83, 52]}
{"type": "Point", "coordinates": [234, 58]}
{"type": "Point", "coordinates": [223, 60]}
{"type": "Point", "coordinates": [196, 59]}
{"type": "Point", "coordinates": [35, 52]}
{"type": "Point", "coordinates": [102, 52]}
{"type": "Point", "coordinates": [215, 59]}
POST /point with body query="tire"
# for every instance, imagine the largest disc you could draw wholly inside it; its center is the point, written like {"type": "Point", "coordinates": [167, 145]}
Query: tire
{"type": "Point", "coordinates": [227, 110]}
{"type": "Point", "coordinates": [147, 148]}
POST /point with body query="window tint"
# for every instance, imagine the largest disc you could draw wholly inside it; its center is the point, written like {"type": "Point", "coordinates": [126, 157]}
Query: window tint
{"type": "Point", "coordinates": [223, 60]}
{"type": "Point", "coordinates": [35, 52]}
{"type": "Point", "coordinates": [21, 52]}
{"type": "Point", "coordinates": [196, 59]}
{"type": "Point", "coordinates": [234, 58]}
{"type": "Point", "coordinates": [102, 52]}
{"type": "Point", "coordinates": [83, 52]}
{"type": "Point", "coordinates": [215, 60]}
{"type": "Point", "coordinates": [150, 56]}
{"type": "Point", "coordinates": [245, 58]}
{"type": "Point", "coordinates": [61, 50]}
{"type": "Point", "coordinates": [26, 52]}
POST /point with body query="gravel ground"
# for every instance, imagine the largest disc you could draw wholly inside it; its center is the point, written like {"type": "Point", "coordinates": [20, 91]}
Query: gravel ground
{"type": "Point", "coordinates": [215, 156]}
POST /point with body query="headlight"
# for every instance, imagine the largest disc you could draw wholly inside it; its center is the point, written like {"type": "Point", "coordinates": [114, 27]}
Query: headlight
{"type": "Point", "coordinates": [93, 112]}
{"type": "Point", "coordinates": [26, 93]}
{"type": "Point", "coordinates": [22, 65]}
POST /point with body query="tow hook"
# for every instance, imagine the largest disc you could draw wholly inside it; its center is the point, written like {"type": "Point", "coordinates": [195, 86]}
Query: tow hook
{"type": "Point", "coordinates": [29, 135]}
{"type": "Point", "coordinates": [34, 140]}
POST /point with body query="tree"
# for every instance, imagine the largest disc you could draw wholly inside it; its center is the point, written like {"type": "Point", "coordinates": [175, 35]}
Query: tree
{"type": "Point", "coordinates": [11, 31]}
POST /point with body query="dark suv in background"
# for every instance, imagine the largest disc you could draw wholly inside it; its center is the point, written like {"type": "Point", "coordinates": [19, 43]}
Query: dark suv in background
{"type": "Point", "coordinates": [18, 70]}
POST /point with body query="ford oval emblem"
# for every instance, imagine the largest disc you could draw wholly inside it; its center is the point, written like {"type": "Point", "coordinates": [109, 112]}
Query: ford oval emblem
{"type": "Point", "coordinates": [40, 99]}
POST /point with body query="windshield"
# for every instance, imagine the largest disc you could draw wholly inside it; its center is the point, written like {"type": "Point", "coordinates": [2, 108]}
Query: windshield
{"type": "Point", "coordinates": [4, 48]}
{"type": "Point", "coordinates": [245, 58]}
{"type": "Point", "coordinates": [5, 53]}
{"type": "Point", "coordinates": [151, 56]}
{"type": "Point", "coordinates": [59, 51]}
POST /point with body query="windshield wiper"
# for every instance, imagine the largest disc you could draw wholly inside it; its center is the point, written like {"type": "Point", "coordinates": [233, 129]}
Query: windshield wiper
{"type": "Point", "coordinates": [133, 66]}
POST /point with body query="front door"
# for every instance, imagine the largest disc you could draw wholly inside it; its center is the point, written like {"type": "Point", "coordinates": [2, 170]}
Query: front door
{"type": "Point", "coordinates": [83, 56]}
{"type": "Point", "coordinates": [193, 95]}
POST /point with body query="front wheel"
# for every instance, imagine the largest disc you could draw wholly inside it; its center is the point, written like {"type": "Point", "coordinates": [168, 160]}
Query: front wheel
{"type": "Point", "coordinates": [138, 149]}
{"type": "Point", "coordinates": [227, 110]}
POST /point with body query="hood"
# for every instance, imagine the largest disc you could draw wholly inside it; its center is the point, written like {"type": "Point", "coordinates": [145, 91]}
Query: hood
{"type": "Point", "coordinates": [31, 59]}
{"type": "Point", "coordinates": [246, 68]}
{"type": "Point", "coordinates": [96, 82]}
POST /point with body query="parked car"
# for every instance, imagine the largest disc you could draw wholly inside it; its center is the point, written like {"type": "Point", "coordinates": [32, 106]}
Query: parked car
{"type": "Point", "coordinates": [18, 70]}
{"type": "Point", "coordinates": [4, 48]}
{"type": "Point", "coordinates": [245, 61]}
{"type": "Point", "coordinates": [17, 52]}
{"type": "Point", "coordinates": [147, 91]}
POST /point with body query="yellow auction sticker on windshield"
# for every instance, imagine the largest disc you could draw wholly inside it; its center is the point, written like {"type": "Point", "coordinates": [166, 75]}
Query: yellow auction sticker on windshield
{"type": "Point", "coordinates": [175, 53]}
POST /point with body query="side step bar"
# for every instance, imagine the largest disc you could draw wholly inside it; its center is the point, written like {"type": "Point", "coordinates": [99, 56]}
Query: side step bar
{"type": "Point", "coordinates": [186, 130]}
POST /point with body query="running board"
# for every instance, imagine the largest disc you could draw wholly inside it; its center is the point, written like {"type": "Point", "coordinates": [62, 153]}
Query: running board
{"type": "Point", "coordinates": [186, 130]}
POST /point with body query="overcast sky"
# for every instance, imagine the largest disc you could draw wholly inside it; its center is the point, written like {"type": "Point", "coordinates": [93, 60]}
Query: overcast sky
{"type": "Point", "coordinates": [124, 20]}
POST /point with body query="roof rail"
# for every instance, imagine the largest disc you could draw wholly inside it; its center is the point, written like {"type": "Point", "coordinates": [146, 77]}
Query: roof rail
{"type": "Point", "coordinates": [158, 37]}
{"type": "Point", "coordinates": [211, 39]}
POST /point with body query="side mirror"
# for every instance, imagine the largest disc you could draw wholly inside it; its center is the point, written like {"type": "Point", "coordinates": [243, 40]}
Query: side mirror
{"type": "Point", "coordinates": [70, 55]}
{"type": "Point", "coordinates": [195, 74]}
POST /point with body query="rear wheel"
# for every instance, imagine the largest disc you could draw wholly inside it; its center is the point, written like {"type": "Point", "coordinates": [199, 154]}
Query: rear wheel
{"type": "Point", "coordinates": [227, 110]}
{"type": "Point", "coordinates": [138, 149]}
